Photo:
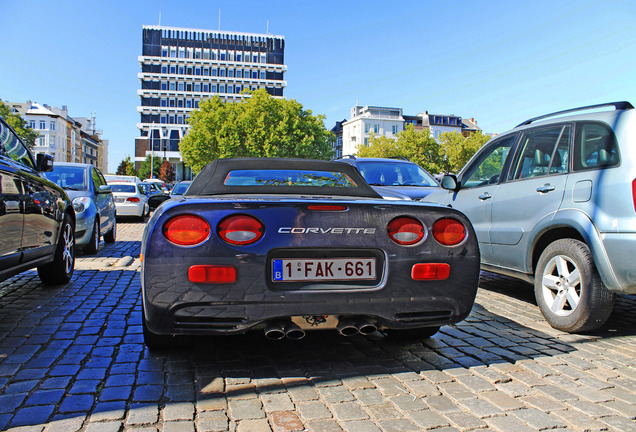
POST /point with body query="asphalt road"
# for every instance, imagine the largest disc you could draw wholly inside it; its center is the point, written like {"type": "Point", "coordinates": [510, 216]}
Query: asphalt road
{"type": "Point", "coordinates": [72, 359]}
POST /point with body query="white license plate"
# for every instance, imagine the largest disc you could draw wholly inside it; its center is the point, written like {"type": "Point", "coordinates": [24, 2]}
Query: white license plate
{"type": "Point", "coordinates": [323, 269]}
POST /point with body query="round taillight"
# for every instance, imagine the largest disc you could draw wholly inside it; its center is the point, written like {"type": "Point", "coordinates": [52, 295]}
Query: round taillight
{"type": "Point", "coordinates": [406, 231]}
{"type": "Point", "coordinates": [240, 230]}
{"type": "Point", "coordinates": [449, 232]}
{"type": "Point", "coordinates": [186, 230]}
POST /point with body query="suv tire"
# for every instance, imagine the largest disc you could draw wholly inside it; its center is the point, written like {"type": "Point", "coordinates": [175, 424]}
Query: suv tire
{"type": "Point", "coordinates": [569, 289]}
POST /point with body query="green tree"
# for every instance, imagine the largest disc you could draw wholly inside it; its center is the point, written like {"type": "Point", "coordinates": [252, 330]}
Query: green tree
{"type": "Point", "coordinates": [416, 146]}
{"type": "Point", "coordinates": [144, 169]}
{"type": "Point", "coordinates": [166, 172]}
{"type": "Point", "coordinates": [458, 150]}
{"type": "Point", "coordinates": [19, 125]}
{"type": "Point", "coordinates": [258, 126]}
{"type": "Point", "coordinates": [122, 169]}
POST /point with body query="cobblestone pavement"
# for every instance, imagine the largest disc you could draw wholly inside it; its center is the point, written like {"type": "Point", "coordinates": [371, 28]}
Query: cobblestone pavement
{"type": "Point", "coordinates": [72, 358]}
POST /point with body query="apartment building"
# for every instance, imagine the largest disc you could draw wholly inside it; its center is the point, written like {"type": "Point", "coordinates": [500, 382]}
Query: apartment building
{"type": "Point", "coordinates": [65, 138]}
{"type": "Point", "coordinates": [367, 121]}
{"type": "Point", "coordinates": [180, 67]}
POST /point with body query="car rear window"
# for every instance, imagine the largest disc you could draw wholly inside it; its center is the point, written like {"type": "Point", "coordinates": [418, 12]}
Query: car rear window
{"type": "Point", "coordinates": [123, 188]}
{"type": "Point", "coordinates": [284, 178]}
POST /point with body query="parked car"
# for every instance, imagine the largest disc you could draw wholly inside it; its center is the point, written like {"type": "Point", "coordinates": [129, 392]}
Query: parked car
{"type": "Point", "coordinates": [130, 199]}
{"type": "Point", "coordinates": [161, 185]}
{"type": "Point", "coordinates": [121, 178]}
{"type": "Point", "coordinates": [179, 188]}
{"type": "Point", "coordinates": [553, 202]}
{"type": "Point", "coordinates": [289, 245]}
{"type": "Point", "coordinates": [92, 200]}
{"type": "Point", "coordinates": [154, 193]}
{"type": "Point", "coordinates": [37, 220]}
{"type": "Point", "coordinates": [394, 178]}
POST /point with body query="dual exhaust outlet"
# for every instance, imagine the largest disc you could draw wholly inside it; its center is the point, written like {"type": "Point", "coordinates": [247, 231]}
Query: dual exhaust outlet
{"type": "Point", "coordinates": [278, 330]}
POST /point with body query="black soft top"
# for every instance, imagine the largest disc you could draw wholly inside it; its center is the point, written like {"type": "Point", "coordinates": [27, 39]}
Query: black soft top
{"type": "Point", "coordinates": [211, 179]}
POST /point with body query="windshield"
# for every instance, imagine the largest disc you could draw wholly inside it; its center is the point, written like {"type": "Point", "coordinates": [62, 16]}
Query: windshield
{"type": "Point", "coordinates": [180, 188]}
{"type": "Point", "coordinates": [68, 177]}
{"type": "Point", "coordinates": [378, 173]}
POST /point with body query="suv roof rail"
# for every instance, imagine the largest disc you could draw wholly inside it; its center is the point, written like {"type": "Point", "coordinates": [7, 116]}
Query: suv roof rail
{"type": "Point", "coordinates": [617, 106]}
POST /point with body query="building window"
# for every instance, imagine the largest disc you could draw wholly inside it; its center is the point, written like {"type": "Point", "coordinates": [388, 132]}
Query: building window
{"type": "Point", "coordinates": [180, 70]}
{"type": "Point", "coordinates": [173, 52]}
{"type": "Point", "coordinates": [188, 103]}
{"type": "Point", "coordinates": [164, 51]}
{"type": "Point", "coordinates": [32, 124]}
{"type": "Point", "coordinates": [189, 70]}
{"type": "Point", "coordinates": [206, 72]}
{"type": "Point", "coordinates": [213, 88]}
{"type": "Point", "coordinates": [180, 103]}
{"type": "Point", "coordinates": [230, 73]}
{"type": "Point", "coordinates": [164, 85]}
{"type": "Point", "coordinates": [164, 102]}
{"type": "Point", "coordinates": [222, 72]}
{"type": "Point", "coordinates": [214, 72]}
{"type": "Point", "coordinates": [206, 54]}
{"type": "Point", "coordinates": [394, 129]}
{"type": "Point", "coordinates": [181, 52]}
{"type": "Point", "coordinates": [197, 71]}
{"type": "Point", "coordinates": [197, 53]}
{"type": "Point", "coordinates": [238, 57]}
{"type": "Point", "coordinates": [173, 70]}
{"type": "Point", "coordinates": [255, 74]}
{"type": "Point", "coordinates": [180, 119]}
{"type": "Point", "coordinates": [42, 141]}
{"type": "Point", "coordinates": [164, 69]}
{"type": "Point", "coordinates": [52, 125]}
{"type": "Point", "coordinates": [262, 75]}
{"type": "Point", "coordinates": [263, 58]}
{"type": "Point", "coordinates": [197, 87]}
{"type": "Point", "coordinates": [171, 119]}
{"type": "Point", "coordinates": [42, 124]}
{"type": "Point", "coordinates": [230, 89]}
{"type": "Point", "coordinates": [222, 89]}
{"type": "Point", "coordinates": [173, 86]}
{"type": "Point", "coordinates": [206, 88]}
{"type": "Point", "coordinates": [376, 128]}
{"type": "Point", "coordinates": [181, 87]}
{"type": "Point", "coordinates": [239, 73]}
{"type": "Point", "coordinates": [52, 142]}
{"type": "Point", "coordinates": [172, 103]}
{"type": "Point", "coordinates": [162, 119]}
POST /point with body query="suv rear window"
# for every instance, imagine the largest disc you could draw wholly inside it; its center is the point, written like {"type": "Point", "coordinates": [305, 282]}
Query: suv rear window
{"type": "Point", "coordinates": [595, 147]}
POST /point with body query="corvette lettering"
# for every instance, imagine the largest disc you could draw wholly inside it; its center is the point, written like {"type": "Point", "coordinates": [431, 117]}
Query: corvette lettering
{"type": "Point", "coordinates": [301, 230]}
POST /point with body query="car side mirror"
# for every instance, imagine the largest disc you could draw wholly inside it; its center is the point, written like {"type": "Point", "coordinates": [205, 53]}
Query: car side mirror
{"type": "Point", "coordinates": [449, 182]}
{"type": "Point", "coordinates": [104, 189]}
{"type": "Point", "coordinates": [44, 162]}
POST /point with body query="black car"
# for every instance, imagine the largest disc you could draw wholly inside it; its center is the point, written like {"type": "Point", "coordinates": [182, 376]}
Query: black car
{"type": "Point", "coordinates": [37, 220]}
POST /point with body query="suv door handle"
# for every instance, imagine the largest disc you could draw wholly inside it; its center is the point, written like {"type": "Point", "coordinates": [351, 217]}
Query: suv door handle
{"type": "Point", "coordinates": [484, 196]}
{"type": "Point", "coordinates": [545, 188]}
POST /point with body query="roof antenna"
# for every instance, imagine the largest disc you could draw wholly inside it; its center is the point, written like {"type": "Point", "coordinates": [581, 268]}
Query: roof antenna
{"type": "Point", "coordinates": [159, 17]}
{"type": "Point", "coordinates": [219, 19]}
{"type": "Point", "coordinates": [267, 32]}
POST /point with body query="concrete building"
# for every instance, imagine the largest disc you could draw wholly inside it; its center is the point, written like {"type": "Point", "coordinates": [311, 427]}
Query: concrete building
{"type": "Point", "coordinates": [65, 138]}
{"type": "Point", "coordinates": [367, 121]}
{"type": "Point", "coordinates": [182, 66]}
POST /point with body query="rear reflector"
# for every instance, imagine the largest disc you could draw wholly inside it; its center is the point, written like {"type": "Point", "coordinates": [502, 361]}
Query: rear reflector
{"type": "Point", "coordinates": [634, 193]}
{"type": "Point", "coordinates": [216, 274]}
{"type": "Point", "coordinates": [133, 199]}
{"type": "Point", "coordinates": [449, 232]}
{"type": "Point", "coordinates": [430, 271]}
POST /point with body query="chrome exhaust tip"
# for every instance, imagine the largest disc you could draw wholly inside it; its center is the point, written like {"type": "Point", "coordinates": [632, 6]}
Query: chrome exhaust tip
{"type": "Point", "coordinates": [347, 327]}
{"type": "Point", "coordinates": [275, 330]}
{"type": "Point", "coordinates": [292, 331]}
{"type": "Point", "coordinates": [366, 327]}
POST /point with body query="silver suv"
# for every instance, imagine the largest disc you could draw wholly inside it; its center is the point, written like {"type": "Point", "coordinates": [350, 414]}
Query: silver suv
{"type": "Point", "coordinates": [553, 202]}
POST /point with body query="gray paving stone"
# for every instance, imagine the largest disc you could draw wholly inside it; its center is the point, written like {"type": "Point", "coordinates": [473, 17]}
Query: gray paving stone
{"type": "Point", "coordinates": [347, 411]}
{"type": "Point", "coordinates": [428, 419]}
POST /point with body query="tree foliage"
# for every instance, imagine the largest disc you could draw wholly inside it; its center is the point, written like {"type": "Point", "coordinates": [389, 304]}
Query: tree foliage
{"type": "Point", "coordinates": [122, 169]}
{"type": "Point", "coordinates": [144, 169]}
{"type": "Point", "coordinates": [457, 149]}
{"type": "Point", "coordinates": [450, 154]}
{"type": "Point", "coordinates": [19, 125]}
{"type": "Point", "coordinates": [258, 126]}
{"type": "Point", "coordinates": [166, 172]}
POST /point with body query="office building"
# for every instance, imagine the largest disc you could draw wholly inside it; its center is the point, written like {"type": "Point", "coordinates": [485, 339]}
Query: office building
{"type": "Point", "coordinates": [180, 67]}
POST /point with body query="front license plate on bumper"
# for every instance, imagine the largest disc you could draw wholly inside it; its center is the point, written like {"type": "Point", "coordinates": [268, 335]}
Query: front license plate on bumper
{"type": "Point", "coordinates": [323, 269]}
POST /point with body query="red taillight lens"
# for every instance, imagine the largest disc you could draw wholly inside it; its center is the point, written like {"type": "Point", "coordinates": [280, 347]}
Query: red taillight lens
{"type": "Point", "coordinates": [327, 207]}
{"type": "Point", "coordinates": [634, 193]}
{"type": "Point", "coordinates": [212, 274]}
{"type": "Point", "coordinates": [240, 230]}
{"type": "Point", "coordinates": [449, 232]}
{"type": "Point", "coordinates": [133, 199]}
{"type": "Point", "coordinates": [430, 271]}
{"type": "Point", "coordinates": [406, 231]}
{"type": "Point", "coordinates": [186, 230]}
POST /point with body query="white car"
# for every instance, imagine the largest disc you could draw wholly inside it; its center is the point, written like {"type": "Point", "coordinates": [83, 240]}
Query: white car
{"type": "Point", "coordinates": [130, 199]}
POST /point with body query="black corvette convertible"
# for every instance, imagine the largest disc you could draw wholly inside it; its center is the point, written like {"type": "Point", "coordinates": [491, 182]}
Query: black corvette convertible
{"type": "Point", "coordinates": [290, 245]}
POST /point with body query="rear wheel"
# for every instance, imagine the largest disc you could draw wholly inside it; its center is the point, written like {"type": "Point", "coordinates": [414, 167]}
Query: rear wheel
{"type": "Point", "coordinates": [93, 243]}
{"type": "Point", "coordinates": [61, 269]}
{"type": "Point", "coordinates": [569, 289]}
{"type": "Point", "coordinates": [111, 235]}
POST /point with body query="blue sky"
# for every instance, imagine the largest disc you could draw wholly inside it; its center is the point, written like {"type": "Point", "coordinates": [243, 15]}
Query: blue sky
{"type": "Point", "coordinates": [499, 62]}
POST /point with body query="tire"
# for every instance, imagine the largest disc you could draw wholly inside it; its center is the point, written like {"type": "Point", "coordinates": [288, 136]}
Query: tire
{"type": "Point", "coordinates": [111, 235]}
{"type": "Point", "coordinates": [93, 243]}
{"type": "Point", "coordinates": [569, 289]}
{"type": "Point", "coordinates": [410, 334]}
{"type": "Point", "coordinates": [61, 269]}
